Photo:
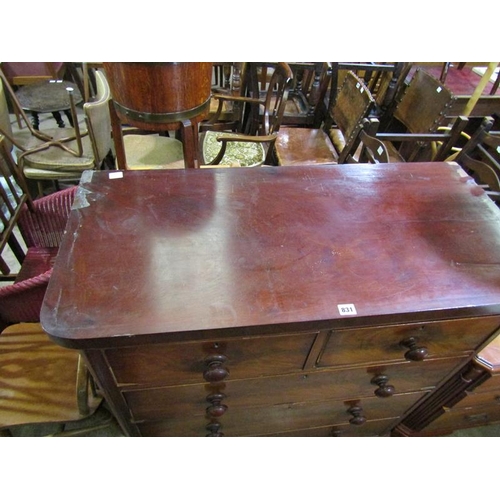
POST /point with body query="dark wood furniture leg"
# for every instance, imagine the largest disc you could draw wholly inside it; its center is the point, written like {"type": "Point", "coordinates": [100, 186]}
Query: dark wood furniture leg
{"type": "Point", "coordinates": [58, 118]}
{"type": "Point", "coordinates": [35, 120]}
{"type": "Point", "coordinates": [189, 137]}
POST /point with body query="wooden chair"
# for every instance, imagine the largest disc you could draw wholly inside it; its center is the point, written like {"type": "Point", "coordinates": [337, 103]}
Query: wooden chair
{"type": "Point", "coordinates": [256, 131]}
{"type": "Point", "coordinates": [368, 148]}
{"type": "Point", "coordinates": [42, 382]}
{"type": "Point", "coordinates": [149, 100]}
{"type": "Point", "coordinates": [480, 158]}
{"type": "Point", "coordinates": [305, 106]}
{"type": "Point", "coordinates": [334, 141]}
{"type": "Point", "coordinates": [62, 154]}
{"type": "Point", "coordinates": [384, 79]}
{"type": "Point", "coordinates": [41, 224]}
{"type": "Point", "coordinates": [420, 109]}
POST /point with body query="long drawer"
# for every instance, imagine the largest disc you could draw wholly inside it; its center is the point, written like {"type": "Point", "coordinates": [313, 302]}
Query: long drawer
{"type": "Point", "coordinates": [352, 384]}
{"type": "Point", "coordinates": [370, 428]}
{"type": "Point", "coordinates": [262, 420]}
{"type": "Point", "coordinates": [392, 343]}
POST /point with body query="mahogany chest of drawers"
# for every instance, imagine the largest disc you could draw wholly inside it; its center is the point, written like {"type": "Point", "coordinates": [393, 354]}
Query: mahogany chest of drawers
{"type": "Point", "coordinates": [278, 301]}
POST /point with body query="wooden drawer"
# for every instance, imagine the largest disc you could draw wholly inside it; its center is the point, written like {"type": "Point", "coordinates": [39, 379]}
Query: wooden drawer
{"type": "Point", "coordinates": [479, 399]}
{"type": "Point", "coordinates": [370, 428]}
{"type": "Point", "coordinates": [491, 384]}
{"type": "Point", "coordinates": [463, 419]}
{"type": "Point", "coordinates": [355, 383]}
{"type": "Point", "coordinates": [263, 420]}
{"type": "Point", "coordinates": [184, 363]}
{"type": "Point", "coordinates": [383, 344]}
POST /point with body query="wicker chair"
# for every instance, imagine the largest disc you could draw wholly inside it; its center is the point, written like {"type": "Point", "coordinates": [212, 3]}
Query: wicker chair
{"type": "Point", "coordinates": [41, 224]}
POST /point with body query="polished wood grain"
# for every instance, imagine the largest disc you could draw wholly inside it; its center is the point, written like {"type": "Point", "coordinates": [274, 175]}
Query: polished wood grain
{"type": "Point", "coordinates": [210, 250]}
{"type": "Point", "coordinates": [262, 420]}
{"type": "Point", "coordinates": [183, 362]}
{"type": "Point", "coordinates": [401, 342]}
{"type": "Point", "coordinates": [346, 384]}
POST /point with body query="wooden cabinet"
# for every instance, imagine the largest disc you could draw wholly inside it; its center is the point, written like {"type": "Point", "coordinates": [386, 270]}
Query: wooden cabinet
{"type": "Point", "coordinates": [338, 300]}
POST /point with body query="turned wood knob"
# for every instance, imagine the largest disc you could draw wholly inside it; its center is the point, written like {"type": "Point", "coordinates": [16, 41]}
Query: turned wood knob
{"type": "Point", "coordinates": [357, 415]}
{"type": "Point", "coordinates": [214, 429]}
{"type": "Point", "coordinates": [384, 390]}
{"type": "Point", "coordinates": [415, 352]}
{"type": "Point", "coordinates": [215, 371]}
{"type": "Point", "coordinates": [216, 408]}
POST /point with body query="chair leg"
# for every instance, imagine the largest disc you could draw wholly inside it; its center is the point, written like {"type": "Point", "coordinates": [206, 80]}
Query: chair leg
{"type": "Point", "coordinates": [494, 89]}
{"type": "Point", "coordinates": [190, 139]}
{"type": "Point", "coordinates": [40, 188]}
{"type": "Point", "coordinates": [444, 72]}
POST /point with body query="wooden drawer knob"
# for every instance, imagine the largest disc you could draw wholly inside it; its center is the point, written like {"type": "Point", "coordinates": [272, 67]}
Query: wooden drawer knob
{"type": "Point", "coordinates": [415, 353]}
{"type": "Point", "coordinates": [215, 371]}
{"type": "Point", "coordinates": [384, 390]}
{"type": "Point", "coordinates": [357, 415]}
{"type": "Point", "coordinates": [216, 408]}
{"type": "Point", "coordinates": [214, 430]}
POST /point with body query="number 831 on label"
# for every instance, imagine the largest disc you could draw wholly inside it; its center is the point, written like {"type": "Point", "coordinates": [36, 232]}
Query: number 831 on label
{"type": "Point", "coordinates": [347, 309]}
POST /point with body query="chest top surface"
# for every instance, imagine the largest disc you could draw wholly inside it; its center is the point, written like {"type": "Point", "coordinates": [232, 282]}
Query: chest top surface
{"type": "Point", "coordinates": [202, 250]}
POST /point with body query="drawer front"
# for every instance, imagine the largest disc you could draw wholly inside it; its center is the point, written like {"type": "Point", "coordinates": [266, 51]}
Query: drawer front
{"type": "Point", "coordinates": [370, 428]}
{"type": "Point", "coordinates": [390, 343]}
{"type": "Point", "coordinates": [489, 385]}
{"type": "Point", "coordinates": [352, 384]}
{"type": "Point", "coordinates": [462, 419]}
{"type": "Point", "coordinates": [479, 399]}
{"type": "Point", "coordinates": [264, 420]}
{"type": "Point", "coordinates": [172, 364]}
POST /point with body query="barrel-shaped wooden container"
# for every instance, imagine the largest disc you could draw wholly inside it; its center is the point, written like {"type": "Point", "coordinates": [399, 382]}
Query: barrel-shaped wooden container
{"type": "Point", "coordinates": [160, 95]}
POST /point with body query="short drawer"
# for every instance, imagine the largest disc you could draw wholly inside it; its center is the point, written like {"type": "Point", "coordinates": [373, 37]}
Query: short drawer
{"type": "Point", "coordinates": [462, 419]}
{"type": "Point", "coordinates": [489, 385]}
{"type": "Point", "coordinates": [352, 384]}
{"type": "Point", "coordinates": [184, 363]}
{"type": "Point", "coordinates": [263, 420]}
{"type": "Point", "coordinates": [386, 343]}
{"type": "Point", "coordinates": [479, 399]}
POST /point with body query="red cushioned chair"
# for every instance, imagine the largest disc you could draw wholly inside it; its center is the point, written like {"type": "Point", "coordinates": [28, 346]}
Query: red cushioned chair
{"type": "Point", "coordinates": [41, 224]}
